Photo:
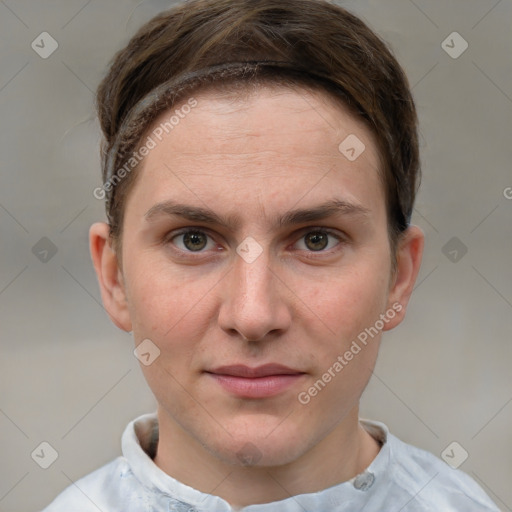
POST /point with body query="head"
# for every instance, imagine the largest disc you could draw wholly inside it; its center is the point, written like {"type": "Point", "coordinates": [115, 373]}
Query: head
{"type": "Point", "coordinates": [260, 166]}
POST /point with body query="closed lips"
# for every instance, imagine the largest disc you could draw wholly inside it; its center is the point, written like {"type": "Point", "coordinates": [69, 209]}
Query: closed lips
{"type": "Point", "coordinates": [254, 373]}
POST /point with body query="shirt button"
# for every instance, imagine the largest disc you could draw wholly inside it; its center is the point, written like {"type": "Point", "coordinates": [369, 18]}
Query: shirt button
{"type": "Point", "coordinates": [364, 481]}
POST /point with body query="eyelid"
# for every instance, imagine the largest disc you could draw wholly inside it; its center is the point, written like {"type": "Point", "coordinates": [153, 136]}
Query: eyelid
{"type": "Point", "coordinates": [322, 229]}
{"type": "Point", "coordinates": [189, 229]}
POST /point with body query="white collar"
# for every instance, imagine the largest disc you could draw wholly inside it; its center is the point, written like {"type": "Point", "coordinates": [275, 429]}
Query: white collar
{"type": "Point", "coordinates": [136, 443]}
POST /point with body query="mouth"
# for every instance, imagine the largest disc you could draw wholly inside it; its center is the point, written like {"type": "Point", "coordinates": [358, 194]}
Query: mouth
{"type": "Point", "coordinates": [260, 382]}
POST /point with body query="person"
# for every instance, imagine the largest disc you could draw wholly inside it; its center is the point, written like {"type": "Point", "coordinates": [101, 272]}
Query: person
{"type": "Point", "coordinates": [260, 166]}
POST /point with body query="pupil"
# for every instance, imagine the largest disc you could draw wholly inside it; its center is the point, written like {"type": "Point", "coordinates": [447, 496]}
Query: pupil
{"type": "Point", "coordinates": [316, 241]}
{"type": "Point", "coordinates": [194, 241]}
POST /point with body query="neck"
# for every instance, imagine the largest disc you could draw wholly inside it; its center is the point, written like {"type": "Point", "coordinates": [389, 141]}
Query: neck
{"type": "Point", "coordinates": [345, 452]}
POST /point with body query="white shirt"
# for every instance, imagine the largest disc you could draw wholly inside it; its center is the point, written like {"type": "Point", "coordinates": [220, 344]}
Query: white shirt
{"type": "Point", "coordinates": [402, 478]}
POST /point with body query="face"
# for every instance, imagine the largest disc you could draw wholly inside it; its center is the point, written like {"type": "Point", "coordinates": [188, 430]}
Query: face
{"type": "Point", "coordinates": [255, 253]}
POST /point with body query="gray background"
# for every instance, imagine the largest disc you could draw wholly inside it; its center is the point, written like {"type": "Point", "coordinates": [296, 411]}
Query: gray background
{"type": "Point", "coordinates": [68, 376]}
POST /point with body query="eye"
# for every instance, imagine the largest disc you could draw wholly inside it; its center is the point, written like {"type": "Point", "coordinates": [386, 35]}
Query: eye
{"type": "Point", "coordinates": [317, 241]}
{"type": "Point", "coordinates": [192, 241]}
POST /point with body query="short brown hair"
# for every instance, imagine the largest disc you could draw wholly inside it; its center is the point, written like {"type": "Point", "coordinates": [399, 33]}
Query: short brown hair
{"type": "Point", "coordinates": [211, 43]}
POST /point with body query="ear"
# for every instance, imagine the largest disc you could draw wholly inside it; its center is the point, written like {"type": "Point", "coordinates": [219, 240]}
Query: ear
{"type": "Point", "coordinates": [409, 254]}
{"type": "Point", "coordinates": [109, 275]}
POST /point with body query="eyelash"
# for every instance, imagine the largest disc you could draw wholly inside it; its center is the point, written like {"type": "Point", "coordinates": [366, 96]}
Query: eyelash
{"type": "Point", "coordinates": [311, 254]}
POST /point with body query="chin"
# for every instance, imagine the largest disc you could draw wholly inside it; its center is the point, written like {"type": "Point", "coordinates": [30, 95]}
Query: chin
{"type": "Point", "coordinates": [258, 445]}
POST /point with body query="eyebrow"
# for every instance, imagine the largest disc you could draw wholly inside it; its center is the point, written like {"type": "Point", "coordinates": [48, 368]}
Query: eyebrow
{"type": "Point", "coordinates": [297, 216]}
{"type": "Point", "coordinates": [323, 211]}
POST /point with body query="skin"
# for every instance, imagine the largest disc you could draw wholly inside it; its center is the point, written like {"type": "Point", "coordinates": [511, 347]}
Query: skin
{"type": "Point", "coordinates": [251, 162]}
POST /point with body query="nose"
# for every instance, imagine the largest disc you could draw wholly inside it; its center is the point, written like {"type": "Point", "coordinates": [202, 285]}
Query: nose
{"type": "Point", "coordinates": [253, 305]}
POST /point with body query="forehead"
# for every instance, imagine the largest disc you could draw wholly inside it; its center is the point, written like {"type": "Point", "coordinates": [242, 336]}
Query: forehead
{"type": "Point", "coordinates": [265, 142]}
{"type": "Point", "coordinates": [271, 116]}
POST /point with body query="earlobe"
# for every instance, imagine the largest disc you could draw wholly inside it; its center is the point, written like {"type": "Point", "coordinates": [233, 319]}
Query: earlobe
{"type": "Point", "coordinates": [109, 275]}
{"type": "Point", "coordinates": [409, 254]}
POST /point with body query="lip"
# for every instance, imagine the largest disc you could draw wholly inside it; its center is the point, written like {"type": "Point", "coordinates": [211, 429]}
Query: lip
{"type": "Point", "coordinates": [260, 382]}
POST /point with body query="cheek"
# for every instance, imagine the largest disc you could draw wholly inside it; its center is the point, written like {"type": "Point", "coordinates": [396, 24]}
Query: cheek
{"type": "Point", "coordinates": [344, 355]}
{"type": "Point", "coordinates": [349, 303]}
{"type": "Point", "coordinates": [166, 304]}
